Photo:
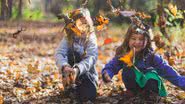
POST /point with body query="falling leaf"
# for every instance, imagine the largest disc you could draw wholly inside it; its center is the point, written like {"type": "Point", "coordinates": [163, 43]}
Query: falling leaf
{"type": "Point", "coordinates": [100, 22]}
{"type": "Point", "coordinates": [72, 26]}
{"type": "Point", "coordinates": [107, 41]}
{"type": "Point", "coordinates": [159, 51]}
{"type": "Point", "coordinates": [99, 27]}
{"type": "Point", "coordinates": [128, 58]}
{"type": "Point", "coordinates": [74, 14]}
{"type": "Point", "coordinates": [172, 8]}
{"type": "Point", "coordinates": [159, 42]}
{"type": "Point", "coordinates": [143, 15]}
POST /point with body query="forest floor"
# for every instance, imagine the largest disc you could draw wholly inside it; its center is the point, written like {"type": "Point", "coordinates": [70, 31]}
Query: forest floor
{"type": "Point", "coordinates": [30, 46]}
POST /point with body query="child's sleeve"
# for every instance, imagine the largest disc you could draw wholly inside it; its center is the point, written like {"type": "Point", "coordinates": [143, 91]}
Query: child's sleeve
{"type": "Point", "coordinates": [113, 67]}
{"type": "Point", "coordinates": [61, 53]}
{"type": "Point", "coordinates": [91, 55]}
{"type": "Point", "coordinates": [166, 71]}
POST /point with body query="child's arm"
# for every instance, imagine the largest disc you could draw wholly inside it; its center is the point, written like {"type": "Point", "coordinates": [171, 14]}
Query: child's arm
{"type": "Point", "coordinates": [91, 55]}
{"type": "Point", "coordinates": [167, 72]}
{"type": "Point", "coordinates": [112, 67]}
{"type": "Point", "coordinates": [61, 54]}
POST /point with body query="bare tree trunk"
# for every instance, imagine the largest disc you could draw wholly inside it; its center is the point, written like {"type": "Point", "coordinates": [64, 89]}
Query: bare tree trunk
{"type": "Point", "coordinates": [47, 6]}
{"type": "Point", "coordinates": [20, 9]}
{"type": "Point", "coordinates": [3, 9]}
{"type": "Point", "coordinates": [9, 9]}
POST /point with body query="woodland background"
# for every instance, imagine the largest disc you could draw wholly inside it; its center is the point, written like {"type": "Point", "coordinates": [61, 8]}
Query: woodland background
{"type": "Point", "coordinates": [30, 32]}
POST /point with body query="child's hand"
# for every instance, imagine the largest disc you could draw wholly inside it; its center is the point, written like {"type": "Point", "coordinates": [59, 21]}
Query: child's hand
{"type": "Point", "coordinates": [67, 69]}
{"type": "Point", "coordinates": [106, 78]}
{"type": "Point", "coordinates": [74, 75]}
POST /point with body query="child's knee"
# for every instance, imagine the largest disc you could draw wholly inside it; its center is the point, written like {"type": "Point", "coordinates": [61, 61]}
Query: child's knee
{"type": "Point", "coordinates": [152, 85]}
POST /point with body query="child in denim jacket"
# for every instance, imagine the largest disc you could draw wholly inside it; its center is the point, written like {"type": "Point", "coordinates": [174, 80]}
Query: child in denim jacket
{"type": "Point", "coordinates": [77, 53]}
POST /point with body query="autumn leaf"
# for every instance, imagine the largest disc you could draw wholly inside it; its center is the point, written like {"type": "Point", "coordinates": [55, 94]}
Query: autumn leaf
{"type": "Point", "coordinates": [107, 41]}
{"type": "Point", "coordinates": [172, 8]}
{"type": "Point", "coordinates": [143, 15]}
{"type": "Point", "coordinates": [100, 22]}
{"type": "Point", "coordinates": [72, 27]}
{"type": "Point", "coordinates": [1, 99]}
{"type": "Point", "coordinates": [74, 13]}
{"type": "Point", "coordinates": [32, 70]}
{"type": "Point", "coordinates": [128, 58]}
{"type": "Point", "coordinates": [30, 90]}
{"type": "Point", "coordinates": [99, 27]}
{"type": "Point", "coordinates": [181, 95]}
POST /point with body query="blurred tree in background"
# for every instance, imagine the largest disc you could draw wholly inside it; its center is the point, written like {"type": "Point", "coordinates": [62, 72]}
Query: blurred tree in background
{"type": "Point", "coordinates": [48, 9]}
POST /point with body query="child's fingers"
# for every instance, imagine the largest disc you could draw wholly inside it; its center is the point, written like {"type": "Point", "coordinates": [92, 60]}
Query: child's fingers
{"type": "Point", "coordinates": [68, 70]}
{"type": "Point", "coordinates": [106, 77]}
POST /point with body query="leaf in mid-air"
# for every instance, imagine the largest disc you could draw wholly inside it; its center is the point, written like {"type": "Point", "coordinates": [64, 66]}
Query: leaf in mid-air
{"type": "Point", "coordinates": [173, 9]}
{"type": "Point", "coordinates": [128, 58]}
{"type": "Point", "coordinates": [107, 41]}
{"type": "Point", "coordinates": [72, 27]}
{"type": "Point", "coordinates": [100, 22]}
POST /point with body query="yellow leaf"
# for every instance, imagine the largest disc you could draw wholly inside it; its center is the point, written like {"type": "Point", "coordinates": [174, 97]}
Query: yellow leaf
{"type": "Point", "coordinates": [128, 58]}
{"type": "Point", "coordinates": [99, 27]}
{"type": "Point", "coordinates": [101, 22]}
{"type": "Point", "coordinates": [32, 70]}
{"type": "Point", "coordinates": [172, 8]}
{"type": "Point", "coordinates": [181, 95]}
{"type": "Point", "coordinates": [72, 27]}
{"type": "Point", "coordinates": [30, 90]}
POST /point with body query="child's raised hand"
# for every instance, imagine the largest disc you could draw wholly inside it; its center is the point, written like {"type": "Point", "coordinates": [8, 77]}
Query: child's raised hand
{"type": "Point", "coordinates": [106, 78]}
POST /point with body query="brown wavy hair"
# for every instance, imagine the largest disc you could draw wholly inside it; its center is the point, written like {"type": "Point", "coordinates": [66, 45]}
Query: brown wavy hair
{"type": "Point", "coordinates": [124, 47]}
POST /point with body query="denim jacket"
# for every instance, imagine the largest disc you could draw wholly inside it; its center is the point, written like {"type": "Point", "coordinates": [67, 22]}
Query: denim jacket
{"type": "Point", "coordinates": [87, 64]}
{"type": "Point", "coordinates": [152, 62]}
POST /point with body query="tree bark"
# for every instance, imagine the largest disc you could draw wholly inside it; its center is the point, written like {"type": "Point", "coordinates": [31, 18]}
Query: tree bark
{"type": "Point", "coordinates": [20, 9]}
{"type": "Point", "coordinates": [3, 9]}
{"type": "Point", "coordinates": [9, 8]}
